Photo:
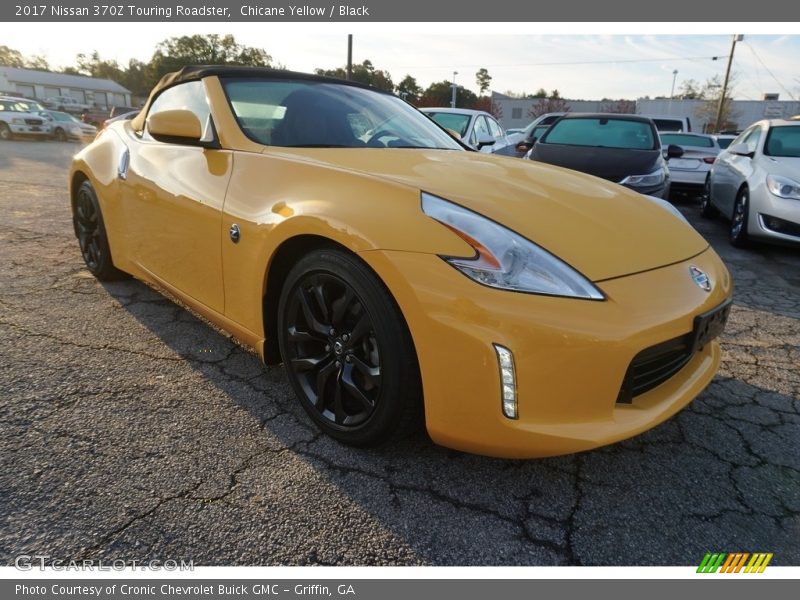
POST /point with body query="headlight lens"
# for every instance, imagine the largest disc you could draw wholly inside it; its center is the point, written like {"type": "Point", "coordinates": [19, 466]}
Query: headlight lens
{"type": "Point", "coordinates": [17, 121]}
{"type": "Point", "coordinates": [655, 178]}
{"type": "Point", "coordinates": [783, 187]}
{"type": "Point", "coordinates": [504, 259]}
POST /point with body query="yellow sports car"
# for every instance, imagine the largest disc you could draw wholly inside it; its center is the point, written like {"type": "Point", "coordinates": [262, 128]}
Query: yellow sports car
{"type": "Point", "coordinates": [520, 309]}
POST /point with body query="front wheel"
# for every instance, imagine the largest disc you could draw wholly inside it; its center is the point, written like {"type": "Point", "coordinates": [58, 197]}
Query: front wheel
{"type": "Point", "coordinates": [741, 208]}
{"type": "Point", "coordinates": [5, 132]}
{"type": "Point", "coordinates": [91, 233]}
{"type": "Point", "coordinates": [347, 350]}
{"type": "Point", "coordinates": [61, 136]}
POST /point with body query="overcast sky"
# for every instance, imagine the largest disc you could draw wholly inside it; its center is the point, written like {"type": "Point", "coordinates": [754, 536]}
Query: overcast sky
{"type": "Point", "coordinates": [588, 65]}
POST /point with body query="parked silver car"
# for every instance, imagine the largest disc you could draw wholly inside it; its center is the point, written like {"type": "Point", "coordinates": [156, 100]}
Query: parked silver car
{"type": "Point", "coordinates": [476, 128]}
{"type": "Point", "coordinates": [65, 126]}
{"type": "Point", "coordinates": [689, 172]}
{"type": "Point", "coordinates": [756, 184]}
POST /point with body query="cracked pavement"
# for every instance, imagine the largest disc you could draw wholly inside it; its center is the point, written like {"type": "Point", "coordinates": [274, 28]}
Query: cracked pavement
{"type": "Point", "coordinates": [131, 429]}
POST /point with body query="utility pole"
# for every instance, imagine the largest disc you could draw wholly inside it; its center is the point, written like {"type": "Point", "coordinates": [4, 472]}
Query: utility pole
{"type": "Point", "coordinates": [736, 38]}
{"type": "Point", "coordinates": [672, 91]}
{"type": "Point", "coordinates": [349, 56]}
{"type": "Point", "coordinates": [454, 86]}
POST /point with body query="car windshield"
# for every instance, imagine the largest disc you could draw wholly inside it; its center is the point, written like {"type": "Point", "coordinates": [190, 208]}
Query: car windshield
{"type": "Point", "coordinates": [682, 139]}
{"type": "Point", "coordinates": [61, 116]}
{"type": "Point", "coordinates": [456, 122]}
{"type": "Point", "coordinates": [313, 114]}
{"type": "Point", "coordinates": [668, 124]}
{"type": "Point", "coordinates": [783, 141]}
{"type": "Point", "coordinates": [724, 142]}
{"type": "Point", "coordinates": [602, 132]}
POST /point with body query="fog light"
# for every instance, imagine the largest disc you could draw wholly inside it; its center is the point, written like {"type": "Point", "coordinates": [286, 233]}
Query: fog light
{"type": "Point", "coordinates": [508, 381]}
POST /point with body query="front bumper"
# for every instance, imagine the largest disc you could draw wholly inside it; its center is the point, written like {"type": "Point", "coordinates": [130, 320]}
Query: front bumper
{"type": "Point", "coordinates": [765, 206]}
{"type": "Point", "coordinates": [571, 356]}
{"type": "Point", "coordinates": [35, 130]}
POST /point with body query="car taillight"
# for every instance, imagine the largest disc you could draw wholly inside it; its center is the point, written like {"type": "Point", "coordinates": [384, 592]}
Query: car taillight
{"type": "Point", "coordinates": [709, 160]}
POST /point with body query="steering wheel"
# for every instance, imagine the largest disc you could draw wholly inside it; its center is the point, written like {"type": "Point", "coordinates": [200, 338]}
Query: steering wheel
{"type": "Point", "coordinates": [374, 139]}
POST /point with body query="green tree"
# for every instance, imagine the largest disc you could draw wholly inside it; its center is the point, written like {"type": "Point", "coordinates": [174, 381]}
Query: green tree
{"type": "Point", "coordinates": [174, 53]}
{"type": "Point", "coordinates": [14, 58]}
{"type": "Point", "coordinates": [365, 73]}
{"type": "Point", "coordinates": [707, 111]}
{"type": "Point", "coordinates": [540, 93]}
{"type": "Point", "coordinates": [484, 80]}
{"type": "Point", "coordinates": [440, 93]}
{"type": "Point", "coordinates": [11, 58]}
{"type": "Point", "coordinates": [409, 89]}
{"type": "Point", "coordinates": [691, 89]}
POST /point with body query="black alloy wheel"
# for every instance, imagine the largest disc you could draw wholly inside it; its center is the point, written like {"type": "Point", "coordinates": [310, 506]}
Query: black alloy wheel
{"type": "Point", "coordinates": [90, 230]}
{"type": "Point", "coordinates": [707, 209]}
{"type": "Point", "coordinates": [347, 350]}
{"type": "Point", "coordinates": [738, 231]}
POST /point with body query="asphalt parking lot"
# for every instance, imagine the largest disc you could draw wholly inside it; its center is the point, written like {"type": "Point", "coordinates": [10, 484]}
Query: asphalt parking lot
{"type": "Point", "coordinates": [130, 429]}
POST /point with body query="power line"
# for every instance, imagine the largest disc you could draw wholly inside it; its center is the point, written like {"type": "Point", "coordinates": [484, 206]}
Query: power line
{"type": "Point", "coordinates": [753, 50]}
{"type": "Point", "coordinates": [559, 64]}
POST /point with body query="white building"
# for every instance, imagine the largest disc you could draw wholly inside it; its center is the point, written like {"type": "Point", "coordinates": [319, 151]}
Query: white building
{"type": "Point", "coordinates": [40, 85]}
{"type": "Point", "coordinates": [516, 112]}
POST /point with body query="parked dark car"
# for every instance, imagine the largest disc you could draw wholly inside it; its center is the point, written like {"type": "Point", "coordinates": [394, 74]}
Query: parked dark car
{"type": "Point", "coordinates": [624, 149]}
{"type": "Point", "coordinates": [527, 137]}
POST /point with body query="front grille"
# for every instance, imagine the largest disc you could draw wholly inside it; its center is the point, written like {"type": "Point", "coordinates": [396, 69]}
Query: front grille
{"type": "Point", "coordinates": [654, 365]}
{"type": "Point", "coordinates": [33, 121]}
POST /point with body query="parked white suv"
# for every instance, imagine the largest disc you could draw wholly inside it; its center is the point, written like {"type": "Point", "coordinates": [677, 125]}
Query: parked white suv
{"type": "Point", "coordinates": [16, 120]}
{"type": "Point", "coordinates": [66, 103]}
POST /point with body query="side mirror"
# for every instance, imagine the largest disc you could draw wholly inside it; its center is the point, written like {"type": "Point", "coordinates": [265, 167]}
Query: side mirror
{"type": "Point", "coordinates": [484, 139]}
{"type": "Point", "coordinates": [741, 150]}
{"type": "Point", "coordinates": [674, 151]}
{"type": "Point", "coordinates": [178, 125]}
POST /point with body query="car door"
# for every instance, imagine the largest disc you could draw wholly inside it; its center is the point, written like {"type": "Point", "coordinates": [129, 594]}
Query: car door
{"type": "Point", "coordinates": [723, 179]}
{"type": "Point", "coordinates": [739, 169]}
{"type": "Point", "coordinates": [501, 143]}
{"type": "Point", "coordinates": [173, 201]}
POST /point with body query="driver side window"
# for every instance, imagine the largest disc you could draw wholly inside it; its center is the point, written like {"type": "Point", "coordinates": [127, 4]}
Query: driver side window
{"type": "Point", "coordinates": [189, 96]}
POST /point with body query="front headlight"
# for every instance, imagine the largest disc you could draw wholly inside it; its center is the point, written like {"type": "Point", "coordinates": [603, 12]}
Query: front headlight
{"type": "Point", "coordinates": [783, 187]}
{"type": "Point", "coordinates": [17, 121]}
{"type": "Point", "coordinates": [655, 178]}
{"type": "Point", "coordinates": [504, 259]}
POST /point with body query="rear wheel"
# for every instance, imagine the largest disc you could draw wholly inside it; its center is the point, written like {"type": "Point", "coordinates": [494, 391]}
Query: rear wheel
{"type": "Point", "coordinates": [741, 208]}
{"type": "Point", "coordinates": [5, 132]}
{"type": "Point", "coordinates": [91, 233]}
{"type": "Point", "coordinates": [706, 208]}
{"type": "Point", "coordinates": [347, 350]}
{"type": "Point", "coordinates": [61, 136]}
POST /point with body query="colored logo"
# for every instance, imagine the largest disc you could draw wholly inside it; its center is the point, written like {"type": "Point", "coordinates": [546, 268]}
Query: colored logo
{"type": "Point", "coordinates": [734, 562]}
{"type": "Point", "coordinates": [700, 278]}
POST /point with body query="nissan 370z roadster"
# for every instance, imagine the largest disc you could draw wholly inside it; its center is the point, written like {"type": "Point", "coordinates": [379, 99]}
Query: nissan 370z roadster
{"type": "Point", "coordinates": [517, 309]}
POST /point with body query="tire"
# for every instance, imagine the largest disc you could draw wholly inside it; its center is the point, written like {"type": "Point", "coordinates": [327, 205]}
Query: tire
{"type": "Point", "coordinates": [60, 135]}
{"type": "Point", "coordinates": [90, 230]}
{"type": "Point", "coordinates": [739, 219]}
{"type": "Point", "coordinates": [5, 132]}
{"type": "Point", "coordinates": [707, 209]}
{"type": "Point", "coordinates": [347, 350]}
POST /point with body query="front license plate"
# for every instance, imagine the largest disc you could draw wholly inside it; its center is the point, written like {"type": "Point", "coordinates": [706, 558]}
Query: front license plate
{"type": "Point", "coordinates": [710, 325]}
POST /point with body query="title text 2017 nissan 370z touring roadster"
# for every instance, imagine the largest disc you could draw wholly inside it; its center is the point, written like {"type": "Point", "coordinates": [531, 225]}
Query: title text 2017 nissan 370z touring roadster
{"type": "Point", "coordinates": [520, 309]}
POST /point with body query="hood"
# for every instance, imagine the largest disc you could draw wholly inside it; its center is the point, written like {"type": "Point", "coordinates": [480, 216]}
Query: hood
{"type": "Point", "coordinates": [787, 166]}
{"type": "Point", "coordinates": [602, 229]}
{"type": "Point", "coordinates": [613, 164]}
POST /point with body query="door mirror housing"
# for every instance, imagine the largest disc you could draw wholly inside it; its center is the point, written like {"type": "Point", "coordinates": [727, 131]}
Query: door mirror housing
{"type": "Point", "coordinates": [177, 126]}
{"type": "Point", "coordinates": [741, 150]}
{"type": "Point", "coordinates": [674, 151]}
{"type": "Point", "coordinates": [484, 139]}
